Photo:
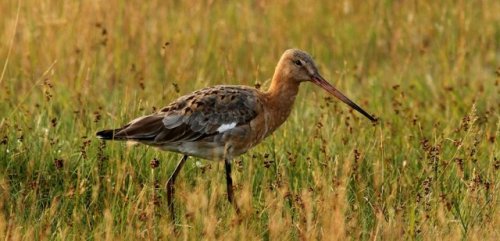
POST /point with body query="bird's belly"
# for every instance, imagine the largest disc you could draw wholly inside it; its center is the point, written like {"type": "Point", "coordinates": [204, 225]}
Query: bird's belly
{"type": "Point", "coordinates": [205, 150]}
{"type": "Point", "coordinates": [239, 140]}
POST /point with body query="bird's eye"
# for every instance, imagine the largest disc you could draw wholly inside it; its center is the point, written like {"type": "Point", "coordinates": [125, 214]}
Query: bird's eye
{"type": "Point", "coordinates": [297, 62]}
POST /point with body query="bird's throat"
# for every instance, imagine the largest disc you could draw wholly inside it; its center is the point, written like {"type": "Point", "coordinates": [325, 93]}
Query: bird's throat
{"type": "Point", "coordinates": [281, 96]}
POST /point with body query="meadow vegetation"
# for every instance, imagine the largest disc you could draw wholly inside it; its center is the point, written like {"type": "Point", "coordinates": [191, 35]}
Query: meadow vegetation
{"type": "Point", "coordinates": [429, 170]}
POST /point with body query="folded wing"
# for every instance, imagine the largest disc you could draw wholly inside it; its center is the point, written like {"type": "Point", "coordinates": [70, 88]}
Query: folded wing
{"type": "Point", "coordinates": [203, 113]}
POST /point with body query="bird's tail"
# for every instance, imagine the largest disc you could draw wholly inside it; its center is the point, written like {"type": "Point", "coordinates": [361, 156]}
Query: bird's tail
{"type": "Point", "coordinates": [108, 134]}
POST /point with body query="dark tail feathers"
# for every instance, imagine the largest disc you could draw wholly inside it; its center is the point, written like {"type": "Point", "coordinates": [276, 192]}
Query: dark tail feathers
{"type": "Point", "coordinates": [107, 134]}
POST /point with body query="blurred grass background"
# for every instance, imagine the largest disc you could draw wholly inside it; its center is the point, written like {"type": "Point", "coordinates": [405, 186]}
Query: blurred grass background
{"type": "Point", "coordinates": [428, 69]}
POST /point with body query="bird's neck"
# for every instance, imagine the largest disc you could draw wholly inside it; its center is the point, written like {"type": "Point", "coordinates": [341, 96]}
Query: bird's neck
{"type": "Point", "coordinates": [281, 96]}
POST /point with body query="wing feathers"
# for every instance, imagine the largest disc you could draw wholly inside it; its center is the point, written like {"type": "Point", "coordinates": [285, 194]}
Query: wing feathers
{"type": "Point", "coordinates": [147, 127]}
{"type": "Point", "coordinates": [196, 116]}
{"type": "Point", "coordinates": [172, 121]}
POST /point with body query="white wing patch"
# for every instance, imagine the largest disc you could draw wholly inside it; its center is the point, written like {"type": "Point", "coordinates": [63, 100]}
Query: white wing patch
{"type": "Point", "coordinates": [226, 127]}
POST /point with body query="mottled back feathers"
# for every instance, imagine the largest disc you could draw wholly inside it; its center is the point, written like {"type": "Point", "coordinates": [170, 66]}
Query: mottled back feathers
{"type": "Point", "coordinates": [194, 116]}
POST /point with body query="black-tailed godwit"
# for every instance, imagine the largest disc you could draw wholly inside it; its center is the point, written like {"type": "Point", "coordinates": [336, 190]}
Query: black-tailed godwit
{"type": "Point", "coordinates": [225, 121]}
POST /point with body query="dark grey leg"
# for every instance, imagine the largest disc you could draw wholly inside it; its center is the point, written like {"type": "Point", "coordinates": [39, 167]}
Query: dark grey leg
{"type": "Point", "coordinates": [171, 187]}
{"type": "Point", "coordinates": [229, 184]}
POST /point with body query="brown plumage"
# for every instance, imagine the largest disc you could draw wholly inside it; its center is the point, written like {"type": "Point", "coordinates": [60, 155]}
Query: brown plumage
{"type": "Point", "coordinates": [192, 124]}
{"type": "Point", "coordinates": [221, 122]}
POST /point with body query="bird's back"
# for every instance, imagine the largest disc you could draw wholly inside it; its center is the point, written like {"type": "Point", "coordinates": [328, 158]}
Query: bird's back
{"type": "Point", "coordinates": [198, 124]}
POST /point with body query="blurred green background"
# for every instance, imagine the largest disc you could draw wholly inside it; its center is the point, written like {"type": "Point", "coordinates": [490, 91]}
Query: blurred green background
{"type": "Point", "coordinates": [428, 170]}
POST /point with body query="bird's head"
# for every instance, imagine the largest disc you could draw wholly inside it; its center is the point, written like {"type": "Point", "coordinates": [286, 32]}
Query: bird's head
{"type": "Point", "coordinates": [298, 66]}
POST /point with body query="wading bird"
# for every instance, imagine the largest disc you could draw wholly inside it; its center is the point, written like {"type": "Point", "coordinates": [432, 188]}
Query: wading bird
{"type": "Point", "coordinates": [225, 121]}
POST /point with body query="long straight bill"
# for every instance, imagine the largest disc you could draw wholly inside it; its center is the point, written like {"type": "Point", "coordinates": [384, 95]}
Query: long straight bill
{"type": "Point", "coordinates": [321, 82]}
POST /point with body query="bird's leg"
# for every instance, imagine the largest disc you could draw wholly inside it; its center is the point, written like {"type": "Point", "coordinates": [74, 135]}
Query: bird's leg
{"type": "Point", "coordinates": [229, 180]}
{"type": "Point", "coordinates": [171, 187]}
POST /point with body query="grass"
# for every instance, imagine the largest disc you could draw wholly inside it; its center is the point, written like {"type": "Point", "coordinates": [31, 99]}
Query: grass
{"type": "Point", "coordinates": [428, 69]}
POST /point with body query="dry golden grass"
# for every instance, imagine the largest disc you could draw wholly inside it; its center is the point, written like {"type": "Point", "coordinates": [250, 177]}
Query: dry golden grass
{"type": "Point", "coordinates": [428, 171]}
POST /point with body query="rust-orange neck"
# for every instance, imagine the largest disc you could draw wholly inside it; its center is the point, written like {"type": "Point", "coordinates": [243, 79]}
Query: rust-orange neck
{"type": "Point", "coordinates": [280, 97]}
